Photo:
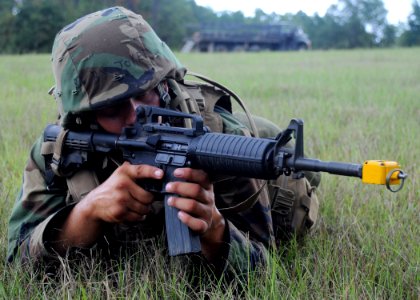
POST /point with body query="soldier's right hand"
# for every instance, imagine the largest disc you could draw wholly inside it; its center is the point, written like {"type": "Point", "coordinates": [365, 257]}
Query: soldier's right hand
{"type": "Point", "coordinates": [120, 199]}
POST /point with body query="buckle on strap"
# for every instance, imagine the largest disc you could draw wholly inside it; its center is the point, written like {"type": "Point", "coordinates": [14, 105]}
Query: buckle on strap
{"type": "Point", "coordinates": [164, 96]}
{"type": "Point", "coordinates": [283, 201]}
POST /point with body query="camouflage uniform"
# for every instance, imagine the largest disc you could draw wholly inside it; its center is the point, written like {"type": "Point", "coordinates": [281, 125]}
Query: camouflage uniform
{"type": "Point", "coordinates": [131, 61]}
{"type": "Point", "coordinates": [135, 61]}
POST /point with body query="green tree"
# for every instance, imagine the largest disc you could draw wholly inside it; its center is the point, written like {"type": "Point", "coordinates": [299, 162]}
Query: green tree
{"type": "Point", "coordinates": [232, 18]}
{"type": "Point", "coordinates": [260, 17]}
{"type": "Point", "coordinates": [35, 24]}
{"type": "Point", "coordinates": [411, 37]}
{"type": "Point", "coordinates": [30, 25]}
{"type": "Point", "coordinates": [353, 21]}
{"type": "Point", "coordinates": [389, 38]}
{"type": "Point", "coordinates": [373, 15]}
{"type": "Point", "coordinates": [203, 14]}
{"type": "Point", "coordinates": [168, 18]}
{"type": "Point", "coordinates": [322, 31]}
{"type": "Point", "coordinates": [6, 26]}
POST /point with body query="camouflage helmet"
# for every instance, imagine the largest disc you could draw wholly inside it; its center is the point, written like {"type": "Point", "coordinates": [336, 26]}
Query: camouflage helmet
{"type": "Point", "coordinates": [105, 57]}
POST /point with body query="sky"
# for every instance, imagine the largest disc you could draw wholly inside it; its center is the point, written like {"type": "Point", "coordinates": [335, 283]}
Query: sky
{"type": "Point", "coordinates": [398, 10]}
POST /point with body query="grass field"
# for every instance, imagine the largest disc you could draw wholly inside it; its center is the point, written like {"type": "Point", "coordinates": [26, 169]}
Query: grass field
{"type": "Point", "coordinates": [357, 105]}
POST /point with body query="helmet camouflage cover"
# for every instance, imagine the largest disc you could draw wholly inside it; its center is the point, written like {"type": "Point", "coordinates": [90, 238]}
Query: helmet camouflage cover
{"type": "Point", "coordinates": [105, 57]}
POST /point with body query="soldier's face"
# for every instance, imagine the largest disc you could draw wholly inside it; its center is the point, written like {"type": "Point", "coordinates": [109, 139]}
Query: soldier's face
{"type": "Point", "coordinates": [114, 119]}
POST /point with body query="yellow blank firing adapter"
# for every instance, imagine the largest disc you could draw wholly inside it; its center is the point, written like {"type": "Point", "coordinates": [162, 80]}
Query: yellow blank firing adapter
{"type": "Point", "coordinates": [383, 172]}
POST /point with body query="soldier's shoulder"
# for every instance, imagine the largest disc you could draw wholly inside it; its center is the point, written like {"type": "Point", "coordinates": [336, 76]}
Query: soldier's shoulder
{"type": "Point", "coordinates": [265, 127]}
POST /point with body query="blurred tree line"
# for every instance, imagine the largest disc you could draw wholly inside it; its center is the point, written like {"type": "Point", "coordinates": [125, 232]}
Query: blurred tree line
{"type": "Point", "coordinates": [30, 25]}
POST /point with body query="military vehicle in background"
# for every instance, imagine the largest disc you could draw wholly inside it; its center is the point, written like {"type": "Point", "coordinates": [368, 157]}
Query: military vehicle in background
{"type": "Point", "coordinates": [247, 37]}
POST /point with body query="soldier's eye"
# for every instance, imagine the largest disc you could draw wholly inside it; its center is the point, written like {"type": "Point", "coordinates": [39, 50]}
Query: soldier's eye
{"type": "Point", "coordinates": [110, 112]}
{"type": "Point", "coordinates": [149, 98]}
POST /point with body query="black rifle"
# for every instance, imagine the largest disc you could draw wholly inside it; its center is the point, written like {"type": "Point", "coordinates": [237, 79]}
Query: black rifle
{"type": "Point", "coordinates": [153, 141]}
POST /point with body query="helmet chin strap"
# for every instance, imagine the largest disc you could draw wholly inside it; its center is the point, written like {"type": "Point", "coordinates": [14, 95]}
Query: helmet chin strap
{"type": "Point", "coordinates": [164, 96]}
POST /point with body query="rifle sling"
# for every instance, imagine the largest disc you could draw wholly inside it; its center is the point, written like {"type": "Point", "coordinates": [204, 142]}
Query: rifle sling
{"type": "Point", "coordinates": [244, 205]}
{"type": "Point", "coordinates": [58, 149]}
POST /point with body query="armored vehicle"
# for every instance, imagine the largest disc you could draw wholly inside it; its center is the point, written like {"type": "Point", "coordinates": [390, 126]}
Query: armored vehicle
{"type": "Point", "coordinates": [247, 37]}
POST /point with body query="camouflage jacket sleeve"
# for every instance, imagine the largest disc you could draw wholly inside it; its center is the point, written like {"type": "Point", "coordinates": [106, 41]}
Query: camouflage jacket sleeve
{"type": "Point", "coordinates": [35, 207]}
{"type": "Point", "coordinates": [249, 238]}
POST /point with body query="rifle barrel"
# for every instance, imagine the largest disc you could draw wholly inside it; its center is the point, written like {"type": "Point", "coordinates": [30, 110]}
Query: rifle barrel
{"type": "Point", "coordinates": [338, 168]}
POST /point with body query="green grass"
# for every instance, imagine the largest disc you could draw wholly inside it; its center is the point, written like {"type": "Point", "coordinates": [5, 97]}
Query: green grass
{"type": "Point", "coordinates": [357, 105]}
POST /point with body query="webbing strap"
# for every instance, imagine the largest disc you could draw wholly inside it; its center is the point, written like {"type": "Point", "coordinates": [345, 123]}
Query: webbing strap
{"type": "Point", "coordinates": [236, 97]}
{"type": "Point", "coordinates": [58, 149]}
{"type": "Point", "coordinates": [47, 148]}
{"type": "Point", "coordinates": [244, 205]}
{"type": "Point", "coordinates": [179, 101]}
{"type": "Point", "coordinates": [164, 97]}
{"type": "Point", "coordinates": [313, 206]}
